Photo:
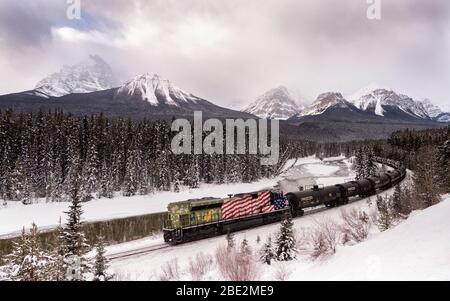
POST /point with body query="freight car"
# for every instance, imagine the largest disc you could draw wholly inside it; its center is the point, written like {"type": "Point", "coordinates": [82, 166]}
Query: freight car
{"type": "Point", "coordinates": [201, 218]}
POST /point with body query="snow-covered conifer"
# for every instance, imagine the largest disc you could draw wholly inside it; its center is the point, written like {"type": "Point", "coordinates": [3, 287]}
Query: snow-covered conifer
{"type": "Point", "coordinates": [285, 245]}
{"type": "Point", "coordinates": [267, 252]}
{"type": "Point", "coordinates": [100, 266]}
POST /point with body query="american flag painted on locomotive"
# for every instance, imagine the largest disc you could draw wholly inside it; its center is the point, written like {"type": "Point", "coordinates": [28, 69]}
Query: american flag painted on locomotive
{"type": "Point", "coordinates": [249, 205]}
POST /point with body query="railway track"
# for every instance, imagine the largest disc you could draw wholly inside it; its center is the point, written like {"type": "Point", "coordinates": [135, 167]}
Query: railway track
{"type": "Point", "coordinates": [136, 252]}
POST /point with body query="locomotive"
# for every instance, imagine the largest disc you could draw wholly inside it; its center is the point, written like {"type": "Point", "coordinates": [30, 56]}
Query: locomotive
{"type": "Point", "coordinates": [207, 217]}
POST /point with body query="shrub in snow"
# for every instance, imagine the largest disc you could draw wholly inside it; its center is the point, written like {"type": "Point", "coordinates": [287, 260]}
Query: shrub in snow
{"type": "Point", "coordinates": [235, 266]}
{"type": "Point", "coordinates": [282, 272]}
{"type": "Point", "coordinates": [285, 245]}
{"type": "Point", "coordinates": [199, 266]}
{"type": "Point", "coordinates": [324, 238]}
{"type": "Point", "coordinates": [356, 225]}
{"type": "Point", "coordinates": [245, 248]}
{"type": "Point", "coordinates": [230, 240]}
{"type": "Point", "coordinates": [170, 271]}
{"type": "Point", "coordinates": [267, 252]}
{"type": "Point", "coordinates": [302, 239]}
{"type": "Point", "coordinates": [258, 239]}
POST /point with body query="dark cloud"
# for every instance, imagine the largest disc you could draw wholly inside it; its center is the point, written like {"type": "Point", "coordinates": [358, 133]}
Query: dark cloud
{"type": "Point", "coordinates": [23, 25]}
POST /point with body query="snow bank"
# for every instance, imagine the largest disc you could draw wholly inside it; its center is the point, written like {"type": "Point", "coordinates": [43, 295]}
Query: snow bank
{"type": "Point", "coordinates": [417, 249]}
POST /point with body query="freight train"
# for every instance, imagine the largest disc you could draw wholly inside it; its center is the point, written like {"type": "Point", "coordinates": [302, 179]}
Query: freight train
{"type": "Point", "coordinates": [202, 218]}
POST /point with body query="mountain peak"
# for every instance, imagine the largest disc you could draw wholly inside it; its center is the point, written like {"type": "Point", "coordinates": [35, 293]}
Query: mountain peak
{"type": "Point", "coordinates": [90, 75]}
{"type": "Point", "coordinates": [382, 101]}
{"type": "Point", "coordinates": [432, 110]}
{"type": "Point", "coordinates": [277, 103]}
{"type": "Point", "coordinates": [326, 101]}
{"type": "Point", "coordinates": [368, 89]}
{"type": "Point", "coordinates": [156, 90]}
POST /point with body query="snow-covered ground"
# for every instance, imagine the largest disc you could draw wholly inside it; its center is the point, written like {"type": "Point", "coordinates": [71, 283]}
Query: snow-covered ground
{"type": "Point", "coordinates": [14, 216]}
{"type": "Point", "coordinates": [416, 249]}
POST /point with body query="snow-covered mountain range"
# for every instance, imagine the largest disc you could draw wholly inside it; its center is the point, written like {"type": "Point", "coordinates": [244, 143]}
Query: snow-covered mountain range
{"type": "Point", "coordinates": [277, 103]}
{"type": "Point", "coordinates": [384, 101]}
{"type": "Point", "coordinates": [378, 101]}
{"type": "Point", "coordinates": [90, 86]}
{"type": "Point", "coordinates": [90, 75]}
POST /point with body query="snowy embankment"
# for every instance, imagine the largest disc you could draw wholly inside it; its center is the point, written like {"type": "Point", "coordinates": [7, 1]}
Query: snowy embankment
{"type": "Point", "coordinates": [46, 215]}
{"type": "Point", "coordinates": [416, 249]}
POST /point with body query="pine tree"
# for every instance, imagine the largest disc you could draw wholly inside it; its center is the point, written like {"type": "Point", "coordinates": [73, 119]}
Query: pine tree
{"type": "Point", "coordinates": [369, 164]}
{"type": "Point", "coordinates": [427, 182]}
{"type": "Point", "coordinates": [444, 162]}
{"type": "Point", "coordinates": [385, 218]}
{"type": "Point", "coordinates": [100, 268]}
{"type": "Point", "coordinates": [285, 244]}
{"type": "Point", "coordinates": [106, 188]}
{"type": "Point", "coordinates": [397, 201]}
{"type": "Point", "coordinates": [16, 258]}
{"type": "Point", "coordinates": [130, 186]}
{"type": "Point", "coordinates": [74, 240]}
{"type": "Point", "coordinates": [267, 253]}
{"type": "Point", "coordinates": [28, 262]}
{"type": "Point", "coordinates": [36, 264]}
{"type": "Point", "coordinates": [359, 165]}
{"type": "Point", "coordinates": [91, 172]}
{"type": "Point", "coordinates": [177, 182]}
{"type": "Point", "coordinates": [58, 268]}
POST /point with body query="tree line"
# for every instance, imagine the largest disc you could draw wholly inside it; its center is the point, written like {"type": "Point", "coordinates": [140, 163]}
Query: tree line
{"type": "Point", "coordinates": [41, 155]}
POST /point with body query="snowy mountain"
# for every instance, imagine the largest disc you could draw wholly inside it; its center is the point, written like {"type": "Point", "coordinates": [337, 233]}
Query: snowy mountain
{"type": "Point", "coordinates": [443, 117]}
{"type": "Point", "coordinates": [332, 118]}
{"type": "Point", "coordinates": [385, 102]}
{"type": "Point", "coordinates": [155, 90]}
{"type": "Point", "coordinates": [326, 101]}
{"type": "Point", "coordinates": [388, 103]}
{"type": "Point", "coordinates": [365, 91]}
{"type": "Point", "coordinates": [90, 75]}
{"type": "Point", "coordinates": [278, 103]}
{"type": "Point", "coordinates": [431, 109]}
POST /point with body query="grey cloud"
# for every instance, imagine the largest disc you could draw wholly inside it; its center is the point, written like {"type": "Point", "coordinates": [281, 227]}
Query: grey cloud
{"type": "Point", "coordinates": [309, 45]}
{"type": "Point", "coordinates": [21, 26]}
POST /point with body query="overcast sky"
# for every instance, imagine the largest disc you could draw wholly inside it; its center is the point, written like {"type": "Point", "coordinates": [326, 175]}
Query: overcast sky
{"type": "Point", "coordinates": [230, 51]}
